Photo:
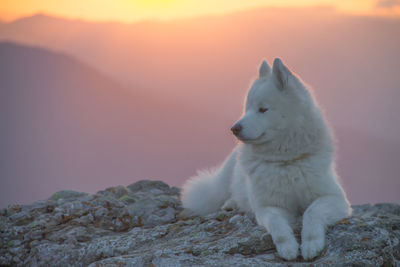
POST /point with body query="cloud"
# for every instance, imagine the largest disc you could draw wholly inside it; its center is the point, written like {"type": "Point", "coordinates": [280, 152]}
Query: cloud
{"type": "Point", "coordinates": [387, 3]}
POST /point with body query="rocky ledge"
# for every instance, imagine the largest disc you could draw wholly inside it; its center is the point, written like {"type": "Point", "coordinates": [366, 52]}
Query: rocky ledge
{"type": "Point", "coordinates": [139, 225]}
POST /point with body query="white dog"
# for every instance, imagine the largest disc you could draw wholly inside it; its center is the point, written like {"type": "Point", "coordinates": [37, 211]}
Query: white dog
{"type": "Point", "coordinates": [284, 168]}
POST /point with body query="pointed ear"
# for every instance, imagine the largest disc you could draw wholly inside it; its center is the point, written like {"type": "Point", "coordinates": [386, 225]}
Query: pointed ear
{"type": "Point", "coordinates": [264, 69]}
{"type": "Point", "coordinates": [281, 73]}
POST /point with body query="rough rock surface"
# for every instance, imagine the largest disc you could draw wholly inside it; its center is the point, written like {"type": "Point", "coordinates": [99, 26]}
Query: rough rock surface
{"type": "Point", "coordinates": [139, 225]}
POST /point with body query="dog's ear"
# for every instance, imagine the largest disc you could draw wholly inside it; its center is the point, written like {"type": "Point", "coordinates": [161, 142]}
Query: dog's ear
{"type": "Point", "coordinates": [264, 69]}
{"type": "Point", "coordinates": [281, 74]}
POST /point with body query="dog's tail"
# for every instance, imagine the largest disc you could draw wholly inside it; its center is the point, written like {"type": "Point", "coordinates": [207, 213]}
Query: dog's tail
{"type": "Point", "coordinates": [207, 192]}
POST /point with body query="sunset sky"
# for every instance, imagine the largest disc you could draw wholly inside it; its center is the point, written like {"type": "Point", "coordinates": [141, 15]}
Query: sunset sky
{"type": "Point", "coordinates": [88, 105]}
{"type": "Point", "coordinates": [136, 10]}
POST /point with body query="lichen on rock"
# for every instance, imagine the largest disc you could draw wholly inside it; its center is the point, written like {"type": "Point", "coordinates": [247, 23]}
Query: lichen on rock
{"type": "Point", "coordinates": [139, 225]}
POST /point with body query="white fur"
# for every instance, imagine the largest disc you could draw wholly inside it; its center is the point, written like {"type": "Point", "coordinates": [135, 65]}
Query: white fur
{"type": "Point", "coordinates": [283, 169]}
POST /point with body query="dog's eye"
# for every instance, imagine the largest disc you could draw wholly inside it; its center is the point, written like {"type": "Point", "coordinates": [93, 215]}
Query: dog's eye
{"type": "Point", "coordinates": [262, 110]}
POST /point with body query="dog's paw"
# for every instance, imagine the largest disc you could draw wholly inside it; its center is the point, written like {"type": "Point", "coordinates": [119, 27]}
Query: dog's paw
{"type": "Point", "coordinates": [288, 248]}
{"type": "Point", "coordinates": [229, 205]}
{"type": "Point", "coordinates": [312, 246]}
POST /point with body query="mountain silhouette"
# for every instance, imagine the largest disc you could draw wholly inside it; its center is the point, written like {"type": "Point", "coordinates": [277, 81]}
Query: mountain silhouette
{"type": "Point", "coordinates": [351, 61]}
{"type": "Point", "coordinates": [66, 125]}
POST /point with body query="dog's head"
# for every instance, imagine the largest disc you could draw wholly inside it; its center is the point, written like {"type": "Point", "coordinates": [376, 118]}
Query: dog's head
{"type": "Point", "coordinates": [276, 101]}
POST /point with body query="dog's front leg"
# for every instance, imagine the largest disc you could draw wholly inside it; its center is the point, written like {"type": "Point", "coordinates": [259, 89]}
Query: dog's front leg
{"type": "Point", "coordinates": [322, 212]}
{"type": "Point", "coordinates": [277, 221]}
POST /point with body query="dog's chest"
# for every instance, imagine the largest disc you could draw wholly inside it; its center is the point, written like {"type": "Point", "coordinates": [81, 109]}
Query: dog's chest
{"type": "Point", "coordinates": [278, 184]}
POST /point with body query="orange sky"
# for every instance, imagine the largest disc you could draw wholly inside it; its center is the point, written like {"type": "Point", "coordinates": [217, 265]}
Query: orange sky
{"type": "Point", "coordinates": [135, 10]}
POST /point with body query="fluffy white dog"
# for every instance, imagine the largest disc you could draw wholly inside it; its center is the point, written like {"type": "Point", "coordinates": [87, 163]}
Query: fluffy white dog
{"type": "Point", "coordinates": [283, 169]}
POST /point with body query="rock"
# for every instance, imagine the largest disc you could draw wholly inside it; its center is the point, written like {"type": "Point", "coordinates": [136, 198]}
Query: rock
{"type": "Point", "coordinates": [147, 185]}
{"type": "Point", "coordinates": [67, 194]}
{"type": "Point", "coordinates": [116, 192]}
{"type": "Point", "coordinates": [138, 225]}
{"type": "Point", "coordinates": [127, 199]}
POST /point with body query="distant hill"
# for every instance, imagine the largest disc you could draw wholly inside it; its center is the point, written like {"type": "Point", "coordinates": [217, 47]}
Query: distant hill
{"type": "Point", "coordinates": [353, 62]}
{"type": "Point", "coordinates": [65, 125]}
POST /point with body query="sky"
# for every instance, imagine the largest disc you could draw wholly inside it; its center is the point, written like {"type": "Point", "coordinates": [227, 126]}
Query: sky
{"type": "Point", "coordinates": [137, 10]}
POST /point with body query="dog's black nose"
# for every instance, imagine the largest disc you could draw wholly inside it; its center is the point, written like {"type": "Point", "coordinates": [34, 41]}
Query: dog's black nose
{"type": "Point", "coordinates": [236, 129]}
